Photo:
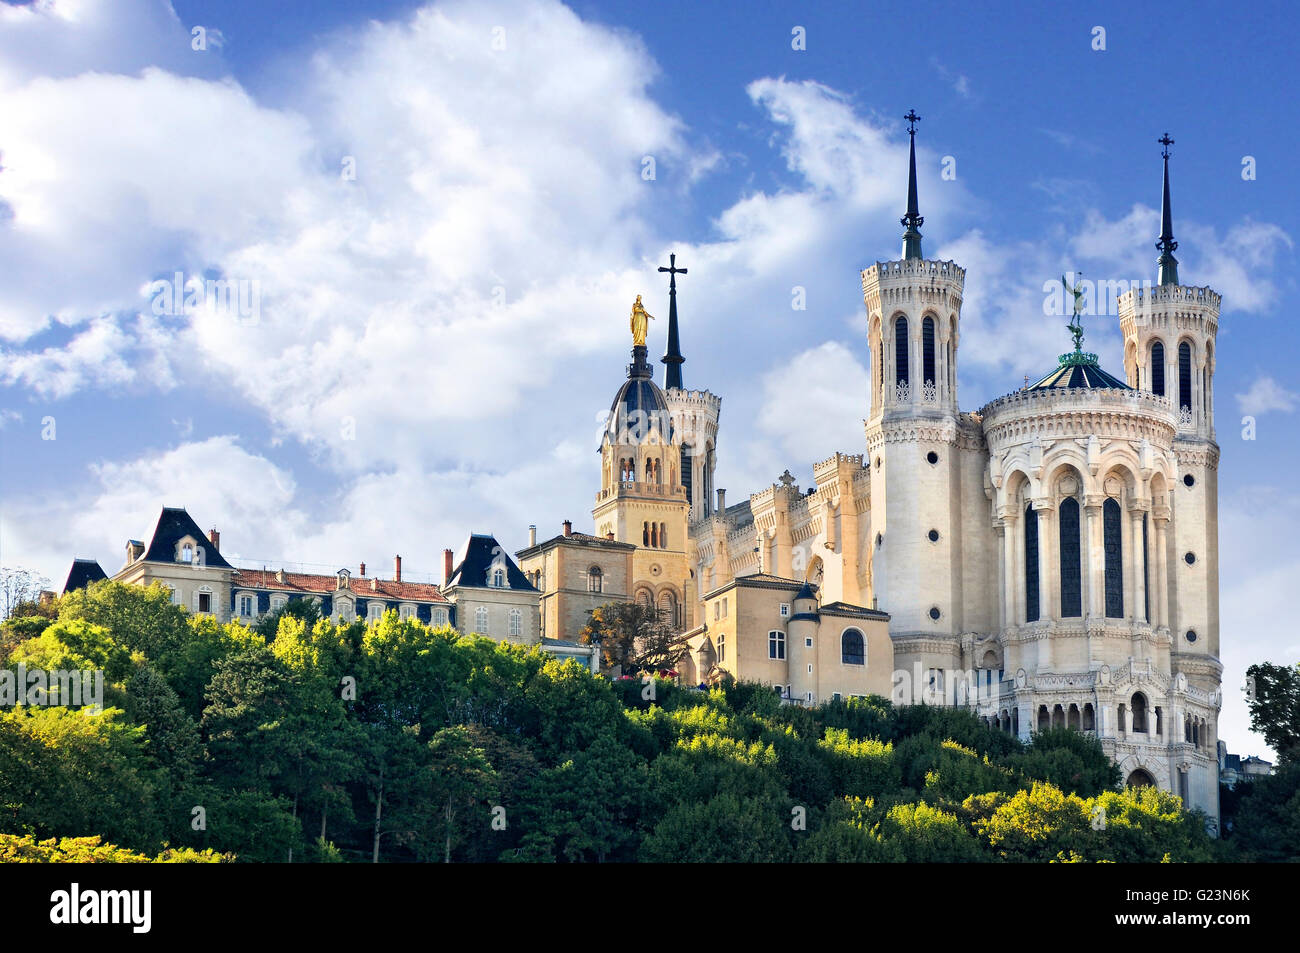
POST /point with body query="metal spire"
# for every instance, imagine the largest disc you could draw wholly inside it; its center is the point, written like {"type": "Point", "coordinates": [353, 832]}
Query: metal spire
{"type": "Point", "coordinates": [912, 221]}
{"type": "Point", "coordinates": [1167, 262]}
{"type": "Point", "coordinates": [673, 357]}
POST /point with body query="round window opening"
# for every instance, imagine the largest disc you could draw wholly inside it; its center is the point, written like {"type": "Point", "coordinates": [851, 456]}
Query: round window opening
{"type": "Point", "coordinates": [1191, 635]}
{"type": "Point", "coordinates": [934, 613]}
{"type": "Point", "coordinates": [932, 458]}
{"type": "Point", "coordinates": [1189, 480]}
{"type": "Point", "coordinates": [934, 535]}
{"type": "Point", "coordinates": [1190, 558]}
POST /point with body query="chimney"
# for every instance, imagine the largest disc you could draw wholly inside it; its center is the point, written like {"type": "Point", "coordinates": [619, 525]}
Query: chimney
{"type": "Point", "coordinates": [279, 574]}
{"type": "Point", "coordinates": [609, 535]}
{"type": "Point", "coordinates": [446, 566]}
{"type": "Point", "coordinates": [363, 569]}
{"type": "Point", "coordinates": [215, 539]}
{"type": "Point", "coordinates": [722, 501]}
{"type": "Point", "coordinates": [532, 534]}
{"type": "Point", "coordinates": [568, 528]}
{"type": "Point", "coordinates": [397, 569]}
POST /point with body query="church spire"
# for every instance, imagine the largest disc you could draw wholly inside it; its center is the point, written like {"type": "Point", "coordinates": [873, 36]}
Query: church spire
{"type": "Point", "coordinates": [1167, 262]}
{"type": "Point", "coordinates": [673, 356]}
{"type": "Point", "coordinates": [912, 221]}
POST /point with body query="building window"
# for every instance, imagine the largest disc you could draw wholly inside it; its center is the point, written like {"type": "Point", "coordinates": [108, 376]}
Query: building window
{"type": "Point", "coordinates": [1071, 573]}
{"type": "Point", "coordinates": [776, 644]}
{"type": "Point", "coordinates": [595, 581]}
{"type": "Point", "coordinates": [187, 553]}
{"type": "Point", "coordinates": [481, 620]}
{"type": "Point", "coordinates": [516, 623]}
{"type": "Point", "coordinates": [343, 609]}
{"type": "Point", "coordinates": [900, 350]}
{"type": "Point", "coordinates": [668, 607]}
{"type": "Point", "coordinates": [785, 610]}
{"type": "Point", "coordinates": [1146, 574]}
{"type": "Point", "coordinates": [1158, 369]}
{"type": "Point", "coordinates": [807, 642]}
{"type": "Point", "coordinates": [717, 611]}
{"type": "Point", "coordinates": [1114, 553]}
{"type": "Point", "coordinates": [663, 535]}
{"type": "Point", "coordinates": [279, 602]}
{"type": "Point", "coordinates": [499, 578]}
{"type": "Point", "coordinates": [1031, 564]}
{"type": "Point", "coordinates": [405, 612]}
{"type": "Point", "coordinates": [722, 646]}
{"type": "Point", "coordinates": [927, 352]}
{"type": "Point", "coordinates": [246, 605]}
{"type": "Point", "coordinates": [438, 617]}
{"type": "Point", "coordinates": [174, 595]}
{"type": "Point", "coordinates": [852, 648]}
{"type": "Point", "coordinates": [375, 611]}
{"type": "Point", "coordinates": [205, 601]}
{"type": "Point", "coordinates": [724, 608]}
{"type": "Point", "coordinates": [687, 475]}
{"type": "Point", "coordinates": [1185, 376]}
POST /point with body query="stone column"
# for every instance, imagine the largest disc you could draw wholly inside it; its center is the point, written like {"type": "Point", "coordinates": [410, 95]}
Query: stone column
{"type": "Point", "coordinates": [1048, 539]}
{"type": "Point", "coordinates": [1138, 561]}
{"type": "Point", "coordinates": [1000, 530]}
{"type": "Point", "coordinates": [1160, 604]}
{"type": "Point", "coordinates": [1011, 576]}
{"type": "Point", "coordinates": [1094, 573]}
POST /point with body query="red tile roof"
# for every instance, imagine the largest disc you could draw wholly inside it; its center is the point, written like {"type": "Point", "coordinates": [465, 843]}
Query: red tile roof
{"type": "Point", "coordinates": [359, 586]}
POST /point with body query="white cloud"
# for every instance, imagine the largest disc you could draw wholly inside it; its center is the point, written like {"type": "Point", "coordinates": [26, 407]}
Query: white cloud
{"type": "Point", "coordinates": [1266, 394]}
{"type": "Point", "coordinates": [813, 405]}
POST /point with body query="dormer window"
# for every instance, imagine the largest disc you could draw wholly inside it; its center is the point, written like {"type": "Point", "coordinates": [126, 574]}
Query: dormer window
{"type": "Point", "coordinates": [499, 578]}
{"type": "Point", "coordinates": [344, 579]}
{"type": "Point", "coordinates": [187, 553]}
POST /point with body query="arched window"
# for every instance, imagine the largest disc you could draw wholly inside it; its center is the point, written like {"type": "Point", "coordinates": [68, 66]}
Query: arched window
{"type": "Point", "coordinates": [853, 650]}
{"type": "Point", "coordinates": [668, 607]}
{"type": "Point", "coordinates": [1114, 552]}
{"type": "Point", "coordinates": [1139, 713]}
{"type": "Point", "coordinates": [1158, 369]}
{"type": "Point", "coordinates": [1071, 573]}
{"type": "Point", "coordinates": [927, 351]}
{"type": "Point", "coordinates": [481, 620]}
{"type": "Point", "coordinates": [1184, 375]}
{"type": "Point", "coordinates": [663, 535]}
{"type": "Point", "coordinates": [645, 534]}
{"type": "Point", "coordinates": [595, 580]}
{"type": "Point", "coordinates": [1044, 718]}
{"type": "Point", "coordinates": [499, 578]}
{"type": "Point", "coordinates": [900, 350]}
{"type": "Point", "coordinates": [776, 644]}
{"type": "Point", "coordinates": [687, 475]}
{"type": "Point", "coordinates": [1146, 574]}
{"type": "Point", "coordinates": [654, 535]}
{"type": "Point", "coordinates": [644, 598]}
{"type": "Point", "coordinates": [1031, 564]}
{"type": "Point", "coordinates": [516, 623]}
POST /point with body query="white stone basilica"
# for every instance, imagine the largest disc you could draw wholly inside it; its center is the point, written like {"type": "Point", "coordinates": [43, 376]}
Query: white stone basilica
{"type": "Point", "coordinates": [1051, 559]}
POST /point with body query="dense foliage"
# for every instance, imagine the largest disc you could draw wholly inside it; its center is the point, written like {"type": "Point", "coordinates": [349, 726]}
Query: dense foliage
{"type": "Point", "coordinates": [396, 742]}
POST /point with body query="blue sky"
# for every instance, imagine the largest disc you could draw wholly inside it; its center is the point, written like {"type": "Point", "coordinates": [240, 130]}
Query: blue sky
{"type": "Point", "coordinates": [436, 337]}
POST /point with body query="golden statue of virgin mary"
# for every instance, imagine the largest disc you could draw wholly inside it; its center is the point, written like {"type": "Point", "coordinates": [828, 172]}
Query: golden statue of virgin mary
{"type": "Point", "coordinates": [640, 323]}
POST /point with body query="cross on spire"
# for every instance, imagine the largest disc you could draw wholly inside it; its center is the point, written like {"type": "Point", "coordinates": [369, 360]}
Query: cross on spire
{"type": "Point", "coordinates": [1167, 263]}
{"type": "Point", "coordinates": [912, 221]}
{"type": "Point", "coordinates": [673, 356]}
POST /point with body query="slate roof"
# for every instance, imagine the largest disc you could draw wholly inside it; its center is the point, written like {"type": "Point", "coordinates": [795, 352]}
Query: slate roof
{"type": "Point", "coordinates": [1078, 375]}
{"type": "Point", "coordinates": [83, 573]}
{"type": "Point", "coordinates": [315, 584]}
{"type": "Point", "coordinates": [580, 539]}
{"type": "Point", "coordinates": [173, 525]}
{"type": "Point", "coordinates": [759, 580]}
{"type": "Point", "coordinates": [857, 612]}
{"type": "Point", "coordinates": [477, 558]}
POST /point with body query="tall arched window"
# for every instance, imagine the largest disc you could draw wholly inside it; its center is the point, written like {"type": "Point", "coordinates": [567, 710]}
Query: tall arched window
{"type": "Point", "coordinates": [1139, 713]}
{"type": "Point", "coordinates": [668, 607]}
{"type": "Point", "coordinates": [1114, 552]}
{"type": "Point", "coordinates": [687, 475]}
{"type": "Point", "coordinates": [516, 623]}
{"type": "Point", "coordinates": [645, 534]}
{"type": "Point", "coordinates": [1071, 573]}
{"type": "Point", "coordinates": [595, 580]}
{"type": "Point", "coordinates": [1031, 564]}
{"type": "Point", "coordinates": [1158, 369]}
{"type": "Point", "coordinates": [663, 535]}
{"type": "Point", "coordinates": [481, 620]}
{"type": "Point", "coordinates": [927, 351]}
{"type": "Point", "coordinates": [900, 351]}
{"type": "Point", "coordinates": [1184, 375]}
{"type": "Point", "coordinates": [1146, 573]}
{"type": "Point", "coordinates": [852, 648]}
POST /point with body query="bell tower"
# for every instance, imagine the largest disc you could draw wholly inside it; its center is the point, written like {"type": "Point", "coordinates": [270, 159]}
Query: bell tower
{"type": "Point", "coordinates": [925, 470]}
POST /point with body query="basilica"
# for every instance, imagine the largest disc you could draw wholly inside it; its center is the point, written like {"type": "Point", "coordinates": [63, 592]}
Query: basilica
{"type": "Point", "coordinates": [1050, 559]}
{"type": "Point", "coordinates": [1047, 560]}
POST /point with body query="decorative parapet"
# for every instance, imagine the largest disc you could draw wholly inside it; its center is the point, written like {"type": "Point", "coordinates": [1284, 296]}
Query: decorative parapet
{"type": "Point", "coordinates": [1020, 408]}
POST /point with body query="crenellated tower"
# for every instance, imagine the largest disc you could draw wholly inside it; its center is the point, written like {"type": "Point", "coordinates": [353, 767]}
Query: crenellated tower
{"type": "Point", "coordinates": [926, 463]}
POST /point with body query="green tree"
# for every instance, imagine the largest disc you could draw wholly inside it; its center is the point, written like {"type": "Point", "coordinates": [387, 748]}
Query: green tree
{"type": "Point", "coordinates": [724, 829]}
{"type": "Point", "coordinates": [632, 638]}
{"type": "Point", "coordinates": [1274, 699]}
{"type": "Point", "coordinates": [1267, 822]}
{"type": "Point", "coordinates": [462, 778]}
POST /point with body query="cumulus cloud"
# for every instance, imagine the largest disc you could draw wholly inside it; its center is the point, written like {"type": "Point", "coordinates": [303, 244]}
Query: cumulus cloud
{"type": "Point", "coordinates": [1266, 394]}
